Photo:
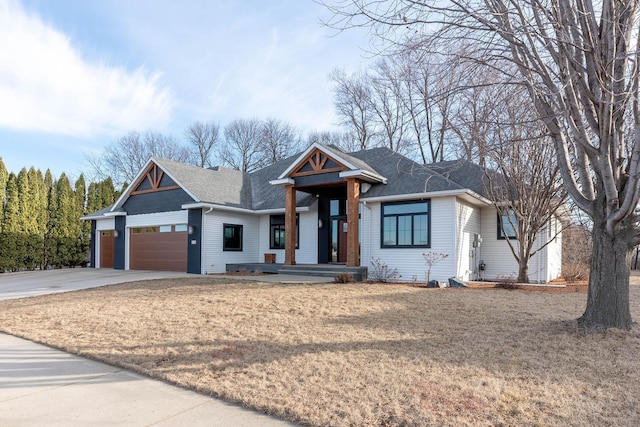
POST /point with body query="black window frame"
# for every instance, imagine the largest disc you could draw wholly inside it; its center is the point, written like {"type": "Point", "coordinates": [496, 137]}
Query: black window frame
{"type": "Point", "coordinates": [412, 215]}
{"type": "Point", "coordinates": [500, 217]}
{"type": "Point", "coordinates": [224, 238]}
{"type": "Point", "coordinates": [281, 226]}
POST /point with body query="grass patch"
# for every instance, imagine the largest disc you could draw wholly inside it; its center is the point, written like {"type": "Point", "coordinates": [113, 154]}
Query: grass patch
{"type": "Point", "coordinates": [355, 354]}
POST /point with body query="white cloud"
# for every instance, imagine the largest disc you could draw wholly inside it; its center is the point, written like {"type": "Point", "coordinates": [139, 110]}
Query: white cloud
{"type": "Point", "coordinates": [46, 85]}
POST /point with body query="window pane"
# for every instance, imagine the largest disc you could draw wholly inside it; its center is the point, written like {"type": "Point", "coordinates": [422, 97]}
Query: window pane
{"type": "Point", "coordinates": [232, 236]}
{"type": "Point", "coordinates": [404, 230]}
{"type": "Point", "coordinates": [334, 207]}
{"type": "Point", "coordinates": [181, 227]}
{"type": "Point", "coordinates": [420, 236]}
{"type": "Point", "coordinates": [509, 222]}
{"type": "Point", "coordinates": [404, 208]}
{"type": "Point", "coordinates": [277, 219]}
{"type": "Point", "coordinates": [165, 229]}
{"type": "Point", "coordinates": [389, 231]}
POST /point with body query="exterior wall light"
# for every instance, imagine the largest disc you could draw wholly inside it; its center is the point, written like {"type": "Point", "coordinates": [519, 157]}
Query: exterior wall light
{"type": "Point", "coordinates": [191, 229]}
{"type": "Point", "coordinates": [116, 233]}
{"type": "Point", "coordinates": [320, 223]}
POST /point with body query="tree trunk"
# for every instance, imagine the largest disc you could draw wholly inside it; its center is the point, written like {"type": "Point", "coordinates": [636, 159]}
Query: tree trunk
{"type": "Point", "coordinates": [608, 299]}
{"type": "Point", "coordinates": [523, 272]}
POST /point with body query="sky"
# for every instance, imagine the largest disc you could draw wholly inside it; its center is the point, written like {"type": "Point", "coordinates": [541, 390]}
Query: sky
{"type": "Point", "coordinates": [76, 75]}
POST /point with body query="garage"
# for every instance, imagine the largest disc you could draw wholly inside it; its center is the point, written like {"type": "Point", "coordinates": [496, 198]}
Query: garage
{"type": "Point", "coordinates": [106, 248]}
{"type": "Point", "coordinates": [162, 247]}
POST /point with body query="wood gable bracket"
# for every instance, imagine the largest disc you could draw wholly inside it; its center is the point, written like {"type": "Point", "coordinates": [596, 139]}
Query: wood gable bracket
{"type": "Point", "coordinates": [317, 162]}
{"type": "Point", "coordinates": [151, 182]}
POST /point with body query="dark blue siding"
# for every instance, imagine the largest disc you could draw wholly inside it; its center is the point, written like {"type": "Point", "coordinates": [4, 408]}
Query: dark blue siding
{"type": "Point", "coordinates": [119, 247]}
{"type": "Point", "coordinates": [159, 201]}
{"type": "Point", "coordinates": [194, 249]}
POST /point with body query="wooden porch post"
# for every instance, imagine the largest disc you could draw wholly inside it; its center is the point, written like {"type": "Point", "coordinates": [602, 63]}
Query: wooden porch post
{"type": "Point", "coordinates": [289, 225]}
{"type": "Point", "coordinates": [353, 202]}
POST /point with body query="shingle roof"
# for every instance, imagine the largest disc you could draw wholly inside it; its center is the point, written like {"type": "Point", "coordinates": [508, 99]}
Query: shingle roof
{"type": "Point", "coordinates": [219, 186]}
{"type": "Point", "coordinates": [404, 176]}
{"type": "Point", "coordinates": [229, 187]}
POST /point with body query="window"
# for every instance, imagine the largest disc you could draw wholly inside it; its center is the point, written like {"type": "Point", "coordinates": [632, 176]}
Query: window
{"type": "Point", "coordinates": [232, 237]}
{"type": "Point", "coordinates": [165, 229]}
{"type": "Point", "coordinates": [181, 227]}
{"type": "Point", "coordinates": [507, 224]}
{"type": "Point", "coordinates": [276, 231]}
{"type": "Point", "coordinates": [406, 225]}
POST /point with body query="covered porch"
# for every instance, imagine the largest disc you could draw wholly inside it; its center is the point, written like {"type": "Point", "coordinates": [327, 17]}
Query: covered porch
{"type": "Point", "coordinates": [337, 180]}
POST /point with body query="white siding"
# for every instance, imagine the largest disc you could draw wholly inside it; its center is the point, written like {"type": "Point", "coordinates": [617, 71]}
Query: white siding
{"type": "Point", "coordinates": [543, 266]}
{"type": "Point", "coordinates": [467, 226]}
{"type": "Point", "coordinates": [148, 220]}
{"type": "Point", "coordinates": [215, 258]}
{"type": "Point", "coordinates": [554, 251]}
{"type": "Point", "coordinates": [409, 261]}
{"type": "Point", "coordinates": [106, 224]}
{"type": "Point", "coordinates": [307, 253]}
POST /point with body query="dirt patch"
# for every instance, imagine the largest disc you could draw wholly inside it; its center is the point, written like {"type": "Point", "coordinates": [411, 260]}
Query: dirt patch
{"type": "Point", "coordinates": [355, 354]}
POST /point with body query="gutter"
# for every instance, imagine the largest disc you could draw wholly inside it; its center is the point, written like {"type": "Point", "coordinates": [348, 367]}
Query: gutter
{"type": "Point", "coordinates": [213, 206]}
{"type": "Point", "coordinates": [413, 196]}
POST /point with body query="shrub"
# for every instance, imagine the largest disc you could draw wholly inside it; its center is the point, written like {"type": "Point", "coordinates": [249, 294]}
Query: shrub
{"type": "Point", "coordinates": [380, 272]}
{"type": "Point", "coordinates": [506, 282]}
{"type": "Point", "coordinates": [575, 272]}
{"type": "Point", "coordinates": [343, 278]}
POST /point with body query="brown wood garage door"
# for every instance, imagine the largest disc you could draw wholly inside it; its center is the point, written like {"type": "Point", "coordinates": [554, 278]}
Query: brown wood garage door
{"type": "Point", "coordinates": [106, 249]}
{"type": "Point", "coordinates": [158, 248]}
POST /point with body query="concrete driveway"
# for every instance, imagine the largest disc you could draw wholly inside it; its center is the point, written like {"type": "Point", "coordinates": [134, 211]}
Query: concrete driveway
{"type": "Point", "coordinates": [32, 283]}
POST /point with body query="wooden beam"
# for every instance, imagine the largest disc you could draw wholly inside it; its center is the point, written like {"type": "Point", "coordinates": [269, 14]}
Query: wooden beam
{"type": "Point", "coordinates": [353, 202]}
{"type": "Point", "coordinates": [289, 225]}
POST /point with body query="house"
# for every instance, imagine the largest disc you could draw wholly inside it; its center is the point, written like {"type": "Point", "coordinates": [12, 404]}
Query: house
{"type": "Point", "coordinates": [344, 208]}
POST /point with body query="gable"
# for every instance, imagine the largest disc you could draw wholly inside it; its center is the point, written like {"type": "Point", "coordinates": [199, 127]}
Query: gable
{"type": "Point", "coordinates": [317, 162]}
{"type": "Point", "coordinates": [153, 180]}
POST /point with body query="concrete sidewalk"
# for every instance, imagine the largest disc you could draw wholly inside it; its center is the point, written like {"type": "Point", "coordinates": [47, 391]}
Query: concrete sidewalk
{"type": "Point", "coordinates": [43, 386]}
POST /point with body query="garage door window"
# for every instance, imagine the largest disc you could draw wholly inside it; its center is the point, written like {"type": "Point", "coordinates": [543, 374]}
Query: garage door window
{"type": "Point", "coordinates": [232, 237]}
{"type": "Point", "coordinates": [181, 227]}
{"type": "Point", "coordinates": [165, 229]}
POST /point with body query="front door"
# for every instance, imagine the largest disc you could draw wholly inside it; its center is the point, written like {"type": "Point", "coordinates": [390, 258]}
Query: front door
{"type": "Point", "coordinates": [338, 240]}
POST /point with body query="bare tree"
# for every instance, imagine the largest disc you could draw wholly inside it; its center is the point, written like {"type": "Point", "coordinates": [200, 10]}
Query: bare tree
{"type": "Point", "coordinates": [352, 97]}
{"type": "Point", "coordinates": [202, 138]}
{"type": "Point", "coordinates": [242, 149]}
{"type": "Point", "coordinates": [528, 191]}
{"type": "Point", "coordinates": [578, 60]}
{"type": "Point", "coordinates": [278, 140]}
{"type": "Point", "coordinates": [387, 105]}
{"type": "Point", "coordinates": [122, 159]}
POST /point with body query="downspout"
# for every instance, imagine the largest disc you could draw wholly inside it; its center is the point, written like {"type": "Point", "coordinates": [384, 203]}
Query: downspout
{"type": "Point", "coordinates": [539, 256]}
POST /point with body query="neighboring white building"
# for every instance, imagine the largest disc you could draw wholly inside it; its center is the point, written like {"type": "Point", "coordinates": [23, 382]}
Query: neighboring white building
{"type": "Point", "coordinates": [349, 209]}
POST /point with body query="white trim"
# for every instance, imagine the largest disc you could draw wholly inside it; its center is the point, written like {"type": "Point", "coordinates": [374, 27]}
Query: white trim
{"type": "Point", "coordinates": [283, 181]}
{"type": "Point", "coordinates": [306, 152]}
{"type": "Point", "coordinates": [213, 206]}
{"type": "Point", "coordinates": [365, 175]}
{"type": "Point", "coordinates": [400, 197]}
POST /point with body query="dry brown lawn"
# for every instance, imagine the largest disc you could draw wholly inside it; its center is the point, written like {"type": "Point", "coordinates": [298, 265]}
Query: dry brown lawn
{"type": "Point", "coordinates": [355, 354]}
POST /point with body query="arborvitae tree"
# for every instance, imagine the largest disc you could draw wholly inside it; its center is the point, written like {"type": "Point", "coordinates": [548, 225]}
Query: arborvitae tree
{"type": "Point", "coordinates": [40, 194]}
{"type": "Point", "coordinates": [10, 226]}
{"type": "Point", "coordinates": [28, 246]}
{"type": "Point", "coordinates": [3, 185]}
{"type": "Point", "coordinates": [82, 228]}
{"type": "Point", "coordinates": [49, 237]}
{"type": "Point", "coordinates": [62, 219]}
